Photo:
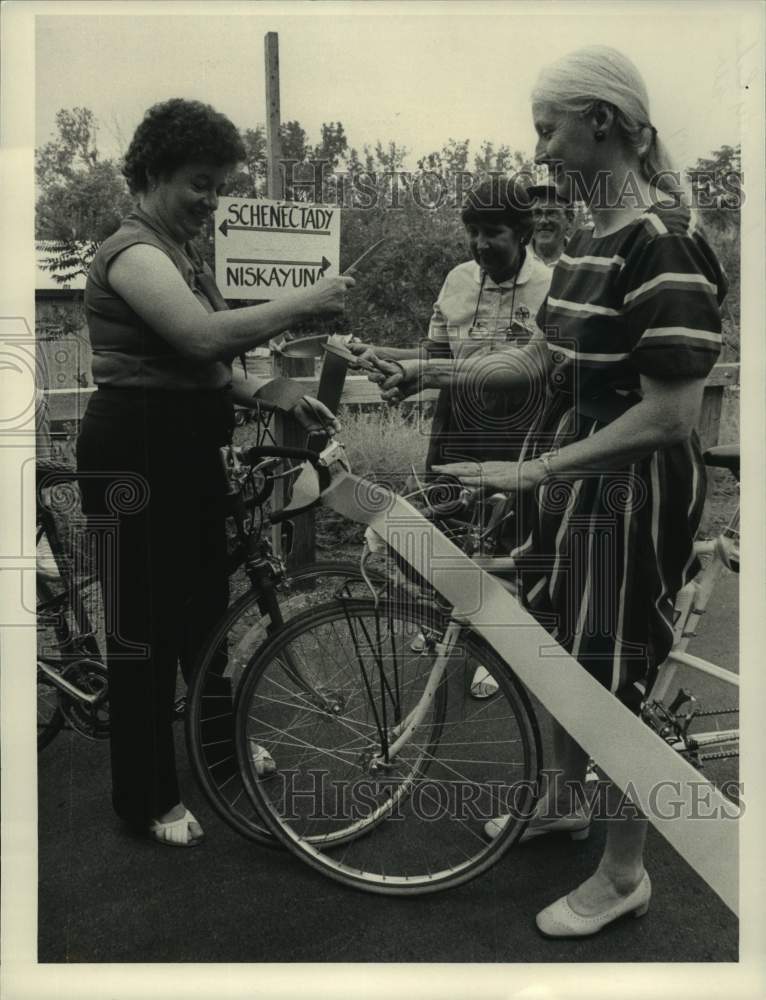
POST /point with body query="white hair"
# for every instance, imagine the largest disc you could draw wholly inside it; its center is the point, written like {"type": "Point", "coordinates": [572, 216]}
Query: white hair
{"type": "Point", "coordinates": [577, 82]}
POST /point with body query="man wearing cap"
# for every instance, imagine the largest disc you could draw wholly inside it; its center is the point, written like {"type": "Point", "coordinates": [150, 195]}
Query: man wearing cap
{"type": "Point", "coordinates": [553, 217]}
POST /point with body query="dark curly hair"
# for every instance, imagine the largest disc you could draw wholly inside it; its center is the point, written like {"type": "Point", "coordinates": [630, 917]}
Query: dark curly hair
{"type": "Point", "coordinates": [177, 132]}
{"type": "Point", "coordinates": [500, 201]}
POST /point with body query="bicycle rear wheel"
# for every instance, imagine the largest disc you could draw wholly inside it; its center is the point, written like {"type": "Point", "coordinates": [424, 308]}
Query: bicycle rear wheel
{"type": "Point", "coordinates": [329, 692]}
{"type": "Point", "coordinates": [49, 717]}
{"type": "Point", "coordinates": [67, 643]}
{"type": "Point", "coordinates": [216, 679]}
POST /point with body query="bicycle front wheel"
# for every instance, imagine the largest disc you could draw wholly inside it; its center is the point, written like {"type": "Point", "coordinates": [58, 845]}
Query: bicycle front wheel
{"type": "Point", "coordinates": [216, 678]}
{"type": "Point", "coordinates": [387, 768]}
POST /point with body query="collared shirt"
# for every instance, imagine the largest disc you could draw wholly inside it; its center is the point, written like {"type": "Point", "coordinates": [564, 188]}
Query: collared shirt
{"type": "Point", "coordinates": [548, 263]}
{"type": "Point", "coordinates": [463, 297]}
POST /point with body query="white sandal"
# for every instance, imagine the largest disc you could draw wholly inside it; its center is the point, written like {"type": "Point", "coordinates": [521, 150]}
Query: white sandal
{"type": "Point", "coordinates": [483, 684]}
{"type": "Point", "coordinates": [176, 833]}
{"type": "Point", "coordinates": [263, 763]}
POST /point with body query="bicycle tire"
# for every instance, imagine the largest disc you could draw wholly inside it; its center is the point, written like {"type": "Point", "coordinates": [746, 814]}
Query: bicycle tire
{"type": "Point", "coordinates": [410, 848]}
{"type": "Point", "coordinates": [65, 640]}
{"type": "Point", "coordinates": [209, 725]}
{"type": "Point", "coordinates": [49, 717]}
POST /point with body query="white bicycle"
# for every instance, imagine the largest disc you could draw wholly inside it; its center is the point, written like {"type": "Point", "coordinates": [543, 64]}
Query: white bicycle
{"type": "Point", "coordinates": [388, 768]}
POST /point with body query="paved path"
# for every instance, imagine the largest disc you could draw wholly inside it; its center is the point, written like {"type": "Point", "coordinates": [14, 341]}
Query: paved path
{"type": "Point", "coordinates": [106, 897]}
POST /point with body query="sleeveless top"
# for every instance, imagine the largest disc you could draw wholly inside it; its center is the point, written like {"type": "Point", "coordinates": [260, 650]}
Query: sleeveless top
{"type": "Point", "coordinates": [127, 352]}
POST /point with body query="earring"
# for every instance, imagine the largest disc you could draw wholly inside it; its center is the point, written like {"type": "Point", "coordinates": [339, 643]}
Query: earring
{"type": "Point", "coordinates": [599, 135]}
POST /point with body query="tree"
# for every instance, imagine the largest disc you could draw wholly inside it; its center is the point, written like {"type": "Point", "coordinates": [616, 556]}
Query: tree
{"type": "Point", "coordinates": [333, 144]}
{"type": "Point", "coordinates": [717, 182]}
{"type": "Point", "coordinates": [717, 195]}
{"type": "Point", "coordinates": [81, 198]}
{"type": "Point", "coordinates": [250, 180]}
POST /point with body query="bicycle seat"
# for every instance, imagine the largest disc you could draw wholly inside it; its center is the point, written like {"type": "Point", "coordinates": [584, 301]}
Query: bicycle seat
{"type": "Point", "coordinates": [723, 456]}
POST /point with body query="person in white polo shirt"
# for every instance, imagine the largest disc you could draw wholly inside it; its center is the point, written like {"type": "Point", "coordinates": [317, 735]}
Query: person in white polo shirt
{"type": "Point", "coordinates": [486, 307]}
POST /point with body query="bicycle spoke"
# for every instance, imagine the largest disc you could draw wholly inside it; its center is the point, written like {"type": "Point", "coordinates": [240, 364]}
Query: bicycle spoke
{"type": "Point", "coordinates": [402, 821]}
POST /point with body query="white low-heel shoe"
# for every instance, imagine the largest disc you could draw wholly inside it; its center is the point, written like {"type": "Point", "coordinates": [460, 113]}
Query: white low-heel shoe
{"type": "Point", "coordinates": [263, 763]}
{"type": "Point", "coordinates": [560, 920]}
{"type": "Point", "coordinates": [176, 833]}
{"type": "Point", "coordinates": [578, 827]}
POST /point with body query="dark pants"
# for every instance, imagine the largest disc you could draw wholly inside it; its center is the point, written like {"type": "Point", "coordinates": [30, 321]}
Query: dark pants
{"type": "Point", "coordinates": [153, 493]}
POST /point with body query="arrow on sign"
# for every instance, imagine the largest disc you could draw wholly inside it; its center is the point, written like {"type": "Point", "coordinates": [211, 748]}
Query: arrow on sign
{"type": "Point", "coordinates": [324, 263]}
{"type": "Point", "coordinates": [226, 228]}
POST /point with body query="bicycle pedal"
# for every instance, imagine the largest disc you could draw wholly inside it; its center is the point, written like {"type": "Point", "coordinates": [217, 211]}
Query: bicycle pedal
{"type": "Point", "coordinates": [682, 698]}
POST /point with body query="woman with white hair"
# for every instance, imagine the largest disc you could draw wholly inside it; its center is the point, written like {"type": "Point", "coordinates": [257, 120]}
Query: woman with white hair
{"type": "Point", "coordinates": [610, 481]}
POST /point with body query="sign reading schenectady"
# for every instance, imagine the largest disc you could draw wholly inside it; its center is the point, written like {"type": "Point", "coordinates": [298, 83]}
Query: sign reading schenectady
{"type": "Point", "coordinates": [264, 249]}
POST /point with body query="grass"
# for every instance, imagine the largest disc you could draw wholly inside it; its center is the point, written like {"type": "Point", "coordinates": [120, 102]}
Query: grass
{"type": "Point", "coordinates": [384, 441]}
{"type": "Point", "coordinates": [383, 444]}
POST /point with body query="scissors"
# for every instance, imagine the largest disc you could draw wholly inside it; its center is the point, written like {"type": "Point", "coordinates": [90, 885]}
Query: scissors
{"type": "Point", "coordinates": [367, 253]}
{"type": "Point", "coordinates": [353, 360]}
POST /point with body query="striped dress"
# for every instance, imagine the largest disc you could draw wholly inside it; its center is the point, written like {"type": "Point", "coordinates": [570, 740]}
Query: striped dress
{"type": "Point", "coordinates": [602, 557]}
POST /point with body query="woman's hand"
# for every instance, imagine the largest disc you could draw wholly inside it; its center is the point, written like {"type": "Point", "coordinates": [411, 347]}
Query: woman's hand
{"type": "Point", "coordinates": [315, 417]}
{"type": "Point", "coordinates": [508, 477]}
{"type": "Point", "coordinates": [397, 379]}
{"type": "Point", "coordinates": [328, 295]}
{"type": "Point", "coordinates": [366, 353]}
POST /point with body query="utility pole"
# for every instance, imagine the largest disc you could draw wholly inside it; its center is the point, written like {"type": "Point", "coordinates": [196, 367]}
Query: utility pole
{"type": "Point", "coordinates": [286, 430]}
{"type": "Point", "coordinates": [274, 180]}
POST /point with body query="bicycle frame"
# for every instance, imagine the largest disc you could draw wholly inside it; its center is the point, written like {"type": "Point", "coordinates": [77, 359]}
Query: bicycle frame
{"type": "Point", "coordinates": [407, 727]}
{"type": "Point", "coordinates": [691, 605]}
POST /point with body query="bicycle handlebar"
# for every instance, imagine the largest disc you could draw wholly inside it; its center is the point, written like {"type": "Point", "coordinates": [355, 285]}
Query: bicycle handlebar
{"type": "Point", "coordinates": [254, 454]}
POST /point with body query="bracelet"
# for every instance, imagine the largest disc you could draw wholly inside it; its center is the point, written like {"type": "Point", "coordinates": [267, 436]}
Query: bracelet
{"type": "Point", "coordinates": [545, 458]}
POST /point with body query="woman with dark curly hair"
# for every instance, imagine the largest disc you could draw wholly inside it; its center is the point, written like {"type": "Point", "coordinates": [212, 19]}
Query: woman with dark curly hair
{"type": "Point", "coordinates": [163, 342]}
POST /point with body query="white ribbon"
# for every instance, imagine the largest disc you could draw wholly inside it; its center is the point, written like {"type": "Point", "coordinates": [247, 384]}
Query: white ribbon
{"type": "Point", "coordinates": [635, 758]}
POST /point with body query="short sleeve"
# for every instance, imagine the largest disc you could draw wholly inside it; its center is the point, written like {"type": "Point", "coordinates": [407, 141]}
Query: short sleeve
{"type": "Point", "coordinates": [437, 343]}
{"type": "Point", "coordinates": [671, 305]}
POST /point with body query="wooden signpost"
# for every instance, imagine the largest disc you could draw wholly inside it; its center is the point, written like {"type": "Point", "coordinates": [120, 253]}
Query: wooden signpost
{"type": "Point", "coordinates": [286, 431]}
